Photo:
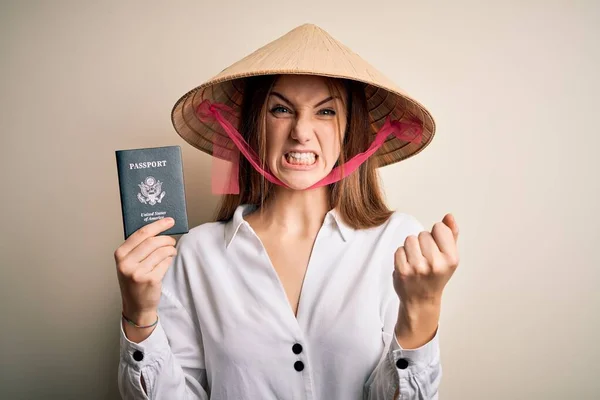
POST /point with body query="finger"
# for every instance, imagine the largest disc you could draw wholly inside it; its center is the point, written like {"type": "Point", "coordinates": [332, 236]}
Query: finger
{"type": "Point", "coordinates": [132, 262]}
{"type": "Point", "coordinates": [144, 249]}
{"type": "Point", "coordinates": [155, 258]}
{"type": "Point", "coordinates": [429, 248]}
{"type": "Point", "coordinates": [158, 273]}
{"type": "Point", "coordinates": [414, 256]}
{"type": "Point", "coordinates": [401, 264]}
{"type": "Point", "coordinates": [142, 234]}
{"type": "Point", "coordinates": [450, 222]}
{"type": "Point", "coordinates": [444, 238]}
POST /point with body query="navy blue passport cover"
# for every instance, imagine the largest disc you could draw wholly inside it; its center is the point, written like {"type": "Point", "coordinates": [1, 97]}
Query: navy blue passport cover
{"type": "Point", "coordinates": [151, 187]}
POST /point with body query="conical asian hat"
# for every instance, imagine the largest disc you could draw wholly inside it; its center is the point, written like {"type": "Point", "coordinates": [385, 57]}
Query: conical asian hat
{"type": "Point", "coordinates": [306, 50]}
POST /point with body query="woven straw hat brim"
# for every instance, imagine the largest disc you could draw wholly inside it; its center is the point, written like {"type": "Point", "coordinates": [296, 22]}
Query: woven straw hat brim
{"type": "Point", "coordinates": [306, 50]}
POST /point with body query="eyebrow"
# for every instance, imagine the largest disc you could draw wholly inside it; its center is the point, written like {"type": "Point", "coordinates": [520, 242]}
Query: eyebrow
{"type": "Point", "coordinates": [282, 97]}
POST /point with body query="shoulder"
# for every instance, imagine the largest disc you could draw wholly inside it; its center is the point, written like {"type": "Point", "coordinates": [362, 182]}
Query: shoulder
{"type": "Point", "coordinates": [205, 235]}
{"type": "Point", "coordinates": [399, 226]}
{"type": "Point", "coordinates": [396, 228]}
{"type": "Point", "coordinates": [195, 250]}
{"type": "Point", "coordinates": [402, 222]}
{"type": "Point", "coordinates": [212, 236]}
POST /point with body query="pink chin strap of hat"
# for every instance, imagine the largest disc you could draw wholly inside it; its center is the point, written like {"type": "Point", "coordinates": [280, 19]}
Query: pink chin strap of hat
{"type": "Point", "coordinates": [226, 161]}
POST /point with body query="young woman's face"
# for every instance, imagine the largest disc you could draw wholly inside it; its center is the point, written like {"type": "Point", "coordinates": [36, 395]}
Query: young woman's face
{"type": "Point", "coordinates": [303, 139]}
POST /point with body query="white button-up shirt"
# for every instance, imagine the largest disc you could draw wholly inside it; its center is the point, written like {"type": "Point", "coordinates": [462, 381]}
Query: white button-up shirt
{"type": "Point", "coordinates": [227, 331]}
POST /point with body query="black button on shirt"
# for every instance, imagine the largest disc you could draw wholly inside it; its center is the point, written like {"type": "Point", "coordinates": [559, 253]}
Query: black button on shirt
{"type": "Point", "coordinates": [297, 348]}
{"type": "Point", "coordinates": [138, 355]}
{"type": "Point", "coordinates": [298, 366]}
{"type": "Point", "coordinates": [402, 363]}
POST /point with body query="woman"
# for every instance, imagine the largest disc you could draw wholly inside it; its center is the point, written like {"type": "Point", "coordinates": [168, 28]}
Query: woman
{"type": "Point", "coordinates": [306, 286]}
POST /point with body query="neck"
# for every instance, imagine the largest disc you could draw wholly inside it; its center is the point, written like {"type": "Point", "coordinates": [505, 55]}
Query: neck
{"type": "Point", "coordinates": [293, 212]}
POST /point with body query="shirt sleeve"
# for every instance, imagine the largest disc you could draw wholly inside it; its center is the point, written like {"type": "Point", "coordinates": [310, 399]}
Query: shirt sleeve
{"type": "Point", "coordinates": [171, 359]}
{"type": "Point", "coordinates": [415, 373]}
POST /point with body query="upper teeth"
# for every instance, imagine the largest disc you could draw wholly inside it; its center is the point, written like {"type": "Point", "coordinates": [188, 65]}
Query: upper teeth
{"type": "Point", "coordinates": [302, 156]}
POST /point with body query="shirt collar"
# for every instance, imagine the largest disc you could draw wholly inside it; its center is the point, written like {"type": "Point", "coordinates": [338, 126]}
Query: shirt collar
{"type": "Point", "coordinates": [332, 217]}
{"type": "Point", "coordinates": [346, 231]}
{"type": "Point", "coordinates": [232, 226]}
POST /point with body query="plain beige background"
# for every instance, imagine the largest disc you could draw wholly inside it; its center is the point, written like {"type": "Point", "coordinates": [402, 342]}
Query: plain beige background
{"type": "Point", "coordinates": [513, 86]}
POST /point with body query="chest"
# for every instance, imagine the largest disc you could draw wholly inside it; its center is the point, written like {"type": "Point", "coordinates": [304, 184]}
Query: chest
{"type": "Point", "coordinates": [336, 291]}
{"type": "Point", "coordinates": [289, 260]}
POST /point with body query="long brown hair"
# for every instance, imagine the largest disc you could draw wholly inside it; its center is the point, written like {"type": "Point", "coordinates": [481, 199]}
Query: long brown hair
{"type": "Point", "coordinates": [358, 197]}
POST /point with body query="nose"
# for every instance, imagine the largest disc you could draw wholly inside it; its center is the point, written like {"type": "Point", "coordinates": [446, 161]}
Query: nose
{"type": "Point", "coordinates": [303, 130]}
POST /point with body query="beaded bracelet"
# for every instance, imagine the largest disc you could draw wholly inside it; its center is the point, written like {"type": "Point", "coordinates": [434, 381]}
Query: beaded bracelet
{"type": "Point", "coordinates": [139, 326]}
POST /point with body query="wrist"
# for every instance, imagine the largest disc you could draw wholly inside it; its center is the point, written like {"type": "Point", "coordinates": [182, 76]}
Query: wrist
{"type": "Point", "coordinates": [415, 311]}
{"type": "Point", "coordinates": [139, 325]}
{"type": "Point", "coordinates": [422, 304]}
{"type": "Point", "coordinates": [140, 317]}
{"type": "Point", "coordinates": [417, 322]}
{"type": "Point", "coordinates": [415, 318]}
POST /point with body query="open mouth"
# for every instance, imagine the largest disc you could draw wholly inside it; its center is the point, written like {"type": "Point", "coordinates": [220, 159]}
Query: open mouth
{"type": "Point", "coordinates": [303, 158]}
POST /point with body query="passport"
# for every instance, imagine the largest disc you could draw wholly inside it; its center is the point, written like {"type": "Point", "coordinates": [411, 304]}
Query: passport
{"type": "Point", "coordinates": [151, 188]}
